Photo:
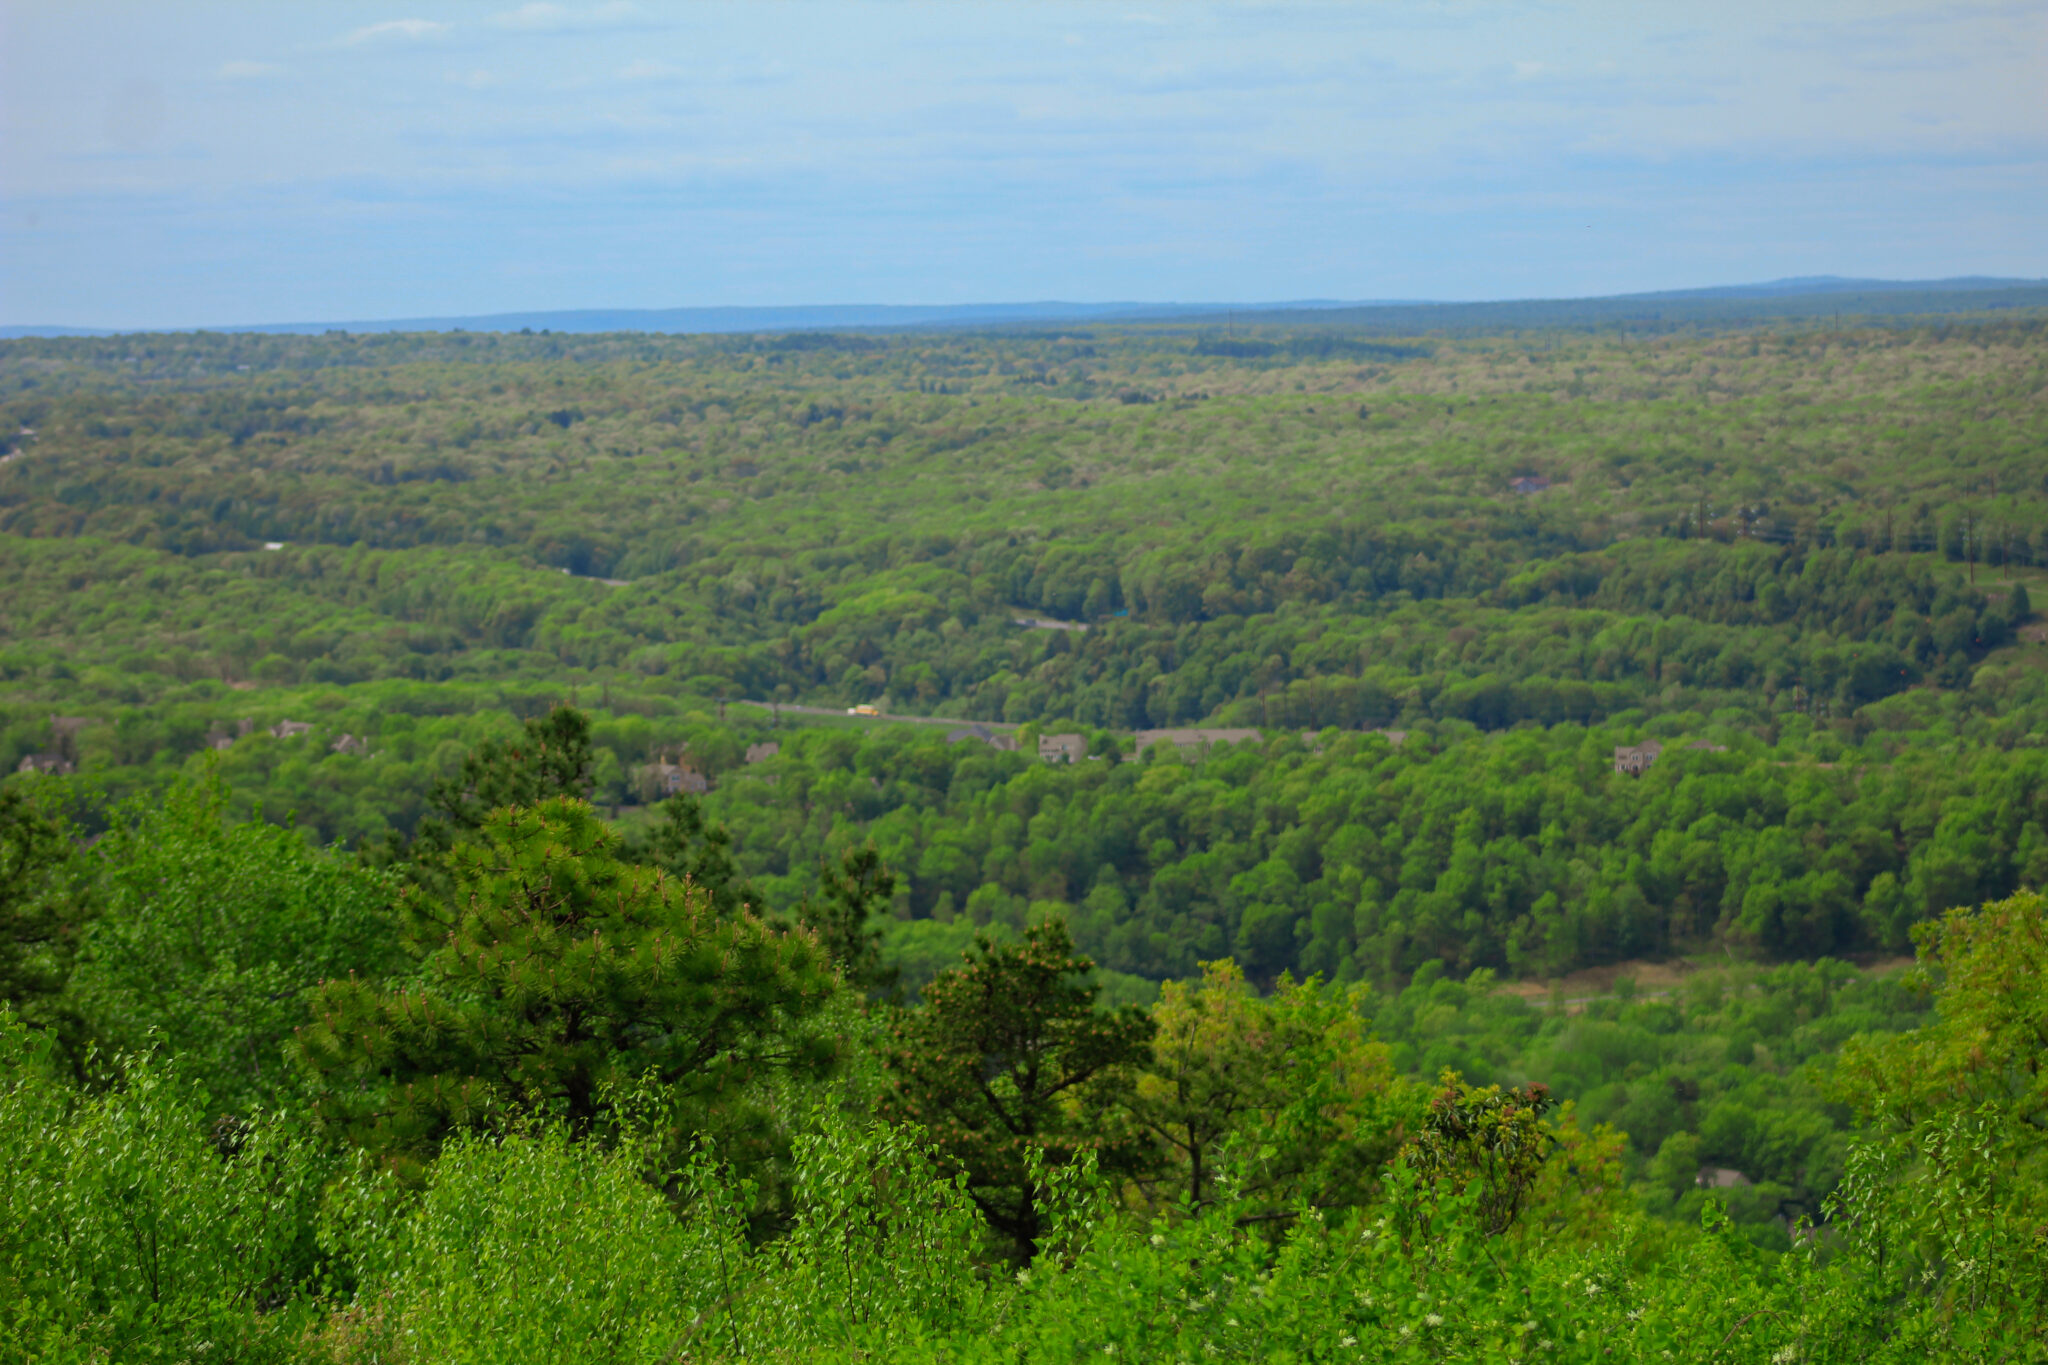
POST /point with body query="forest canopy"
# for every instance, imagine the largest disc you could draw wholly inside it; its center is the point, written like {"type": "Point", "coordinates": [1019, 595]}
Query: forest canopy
{"type": "Point", "coordinates": [1037, 845]}
{"type": "Point", "coordinates": [1801, 560]}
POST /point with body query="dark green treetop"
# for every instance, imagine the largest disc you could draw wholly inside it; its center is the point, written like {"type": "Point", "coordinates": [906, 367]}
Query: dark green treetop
{"type": "Point", "coordinates": [550, 757]}
{"type": "Point", "coordinates": [686, 845]}
{"type": "Point", "coordinates": [993, 1064]}
{"type": "Point", "coordinates": [550, 971]}
{"type": "Point", "coordinates": [850, 899]}
{"type": "Point", "coordinates": [39, 918]}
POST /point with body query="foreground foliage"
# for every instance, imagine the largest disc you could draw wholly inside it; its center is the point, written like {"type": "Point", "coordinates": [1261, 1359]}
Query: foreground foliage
{"type": "Point", "coordinates": [137, 1228]}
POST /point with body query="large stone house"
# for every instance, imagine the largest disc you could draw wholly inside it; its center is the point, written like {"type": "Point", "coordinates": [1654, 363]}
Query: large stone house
{"type": "Point", "coordinates": [1635, 759]}
{"type": "Point", "coordinates": [1062, 748]}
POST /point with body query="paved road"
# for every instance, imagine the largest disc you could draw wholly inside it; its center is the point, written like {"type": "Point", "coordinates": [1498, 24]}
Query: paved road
{"type": "Point", "coordinates": [840, 711]}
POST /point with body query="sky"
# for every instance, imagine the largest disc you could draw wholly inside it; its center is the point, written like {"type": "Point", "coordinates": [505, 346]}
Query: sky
{"type": "Point", "coordinates": [179, 163]}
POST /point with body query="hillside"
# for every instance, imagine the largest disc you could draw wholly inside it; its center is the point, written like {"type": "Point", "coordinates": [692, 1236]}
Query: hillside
{"type": "Point", "coordinates": [550, 842]}
{"type": "Point", "coordinates": [1809, 550]}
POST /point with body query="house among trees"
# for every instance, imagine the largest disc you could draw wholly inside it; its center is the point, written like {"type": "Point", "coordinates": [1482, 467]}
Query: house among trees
{"type": "Point", "coordinates": [291, 729]}
{"type": "Point", "coordinates": [1529, 483]}
{"type": "Point", "coordinates": [1062, 748]}
{"type": "Point", "coordinates": [667, 779]}
{"type": "Point", "coordinates": [350, 744]}
{"type": "Point", "coordinates": [762, 752]}
{"type": "Point", "coordinates": [219, 738]}
{"type": "Point", "coordinates": [1635, 759]}
{"type": "Point", "coordinates": [56, 765]}
{"type": "Point", "coordinates": [994, 739]}
{"type": "Point", "coordinates": [64, 729]}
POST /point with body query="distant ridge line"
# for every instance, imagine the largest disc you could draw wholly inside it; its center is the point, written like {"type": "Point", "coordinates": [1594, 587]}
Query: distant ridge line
{"type": "Point", "coordinates": [740, 319]}
{"type": "Point", "coordinates": [1800, 296]}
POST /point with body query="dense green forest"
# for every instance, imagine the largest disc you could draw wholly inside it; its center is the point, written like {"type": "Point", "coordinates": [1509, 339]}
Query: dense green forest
{"type": "Point", "coordinates": [370, 992]}
{"type": "Point", "coordinates": [1811, 548]}
{"type": "Point", "coordinates": [527, 1094]}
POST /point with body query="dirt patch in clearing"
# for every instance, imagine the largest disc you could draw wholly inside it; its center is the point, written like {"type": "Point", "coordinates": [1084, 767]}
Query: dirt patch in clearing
{"type": "Point", "coordinates": [1654, 978]}
{"type": "Point", "coordinates": [1650, 977]}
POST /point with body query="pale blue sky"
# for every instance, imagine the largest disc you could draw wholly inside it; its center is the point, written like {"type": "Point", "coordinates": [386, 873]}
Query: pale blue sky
{"type": "Point", "coordinates": [184, 163]}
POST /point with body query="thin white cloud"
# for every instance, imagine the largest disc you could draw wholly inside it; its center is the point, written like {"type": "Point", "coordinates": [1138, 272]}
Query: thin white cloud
{"type": "Point", "coordinates": [410, 30]}
{"type": "Point", "coordinates": [541, 16]}
{"type": "Point", "coordinates": [1395, 146]}
{"type": "Point", "coordinates": [646, 70]}
{"type": "Point", "coordinates": [247, 71]}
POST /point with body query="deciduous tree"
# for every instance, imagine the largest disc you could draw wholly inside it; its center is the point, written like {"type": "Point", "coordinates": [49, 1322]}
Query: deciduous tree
{"type": "Point", "coordinates": [1288, 1091]}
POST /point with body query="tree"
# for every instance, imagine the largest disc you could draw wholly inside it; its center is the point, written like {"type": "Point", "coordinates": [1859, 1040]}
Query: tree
{"type": "Point", "coordinates": [1001, 1065]}
{"type": "Point", "coordinates": [686, 845]}
{"type": "Point", "coordinates": [1948, 1189]}
{"type": "Point", "coordinates": [1988, 968]}
{"type": "Point", "coordinates": [129, 1230]}
{"type": "Point", "coordinates": [211, 934]}
{"type": "Point", "coordinates": [551, 757]}
{"type": "Point", "coordinates": [1488, 1142]}
{"type": "Point", "coordinates": [550, 971]}
{"type": "Point", "coordinates": [849, 899]}
{"type": "Point", "coordinates": [1288, 1091]}
{"type": "Point", "coordinates": [41, 917]}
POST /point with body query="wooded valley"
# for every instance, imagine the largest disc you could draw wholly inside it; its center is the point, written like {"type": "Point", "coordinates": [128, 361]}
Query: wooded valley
{"type": "Point", "coordinates": [1589, 907]}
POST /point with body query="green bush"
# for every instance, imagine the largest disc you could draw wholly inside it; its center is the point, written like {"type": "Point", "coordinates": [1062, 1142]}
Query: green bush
{"type": "Point", "coordinates": [134, 1225]}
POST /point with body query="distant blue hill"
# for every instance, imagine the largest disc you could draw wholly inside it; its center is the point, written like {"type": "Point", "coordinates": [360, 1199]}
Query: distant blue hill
{"type": "Point", "coordinates": [1804, 296]}
{"type": "Point", "coordinates": [800, 318]}
{"type": "Point", "coordinates": [1735, 305]}
{"type": "Point", "coordinates": [807, 317]}
{"type": "Point", "coordinates": [1836, 284]}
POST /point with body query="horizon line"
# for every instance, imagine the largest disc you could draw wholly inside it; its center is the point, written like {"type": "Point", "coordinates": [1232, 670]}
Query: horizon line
{"type": "Point", "coordinates": [1012, 311]}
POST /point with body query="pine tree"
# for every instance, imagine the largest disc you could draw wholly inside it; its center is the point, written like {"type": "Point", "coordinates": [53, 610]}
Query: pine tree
{"type": "Point", "coordinates": [551, 757]}
{"type": "Point", "coordinates": [1009, 1056]}
{"type": "Point", "coordinates": [687, 845]}
{"type": "Point", "coordinates": [40, 917]}
{"type": "Point", "coordinates": [842, 915]}
{"type": "Point", "coordinates": [549, 971]}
